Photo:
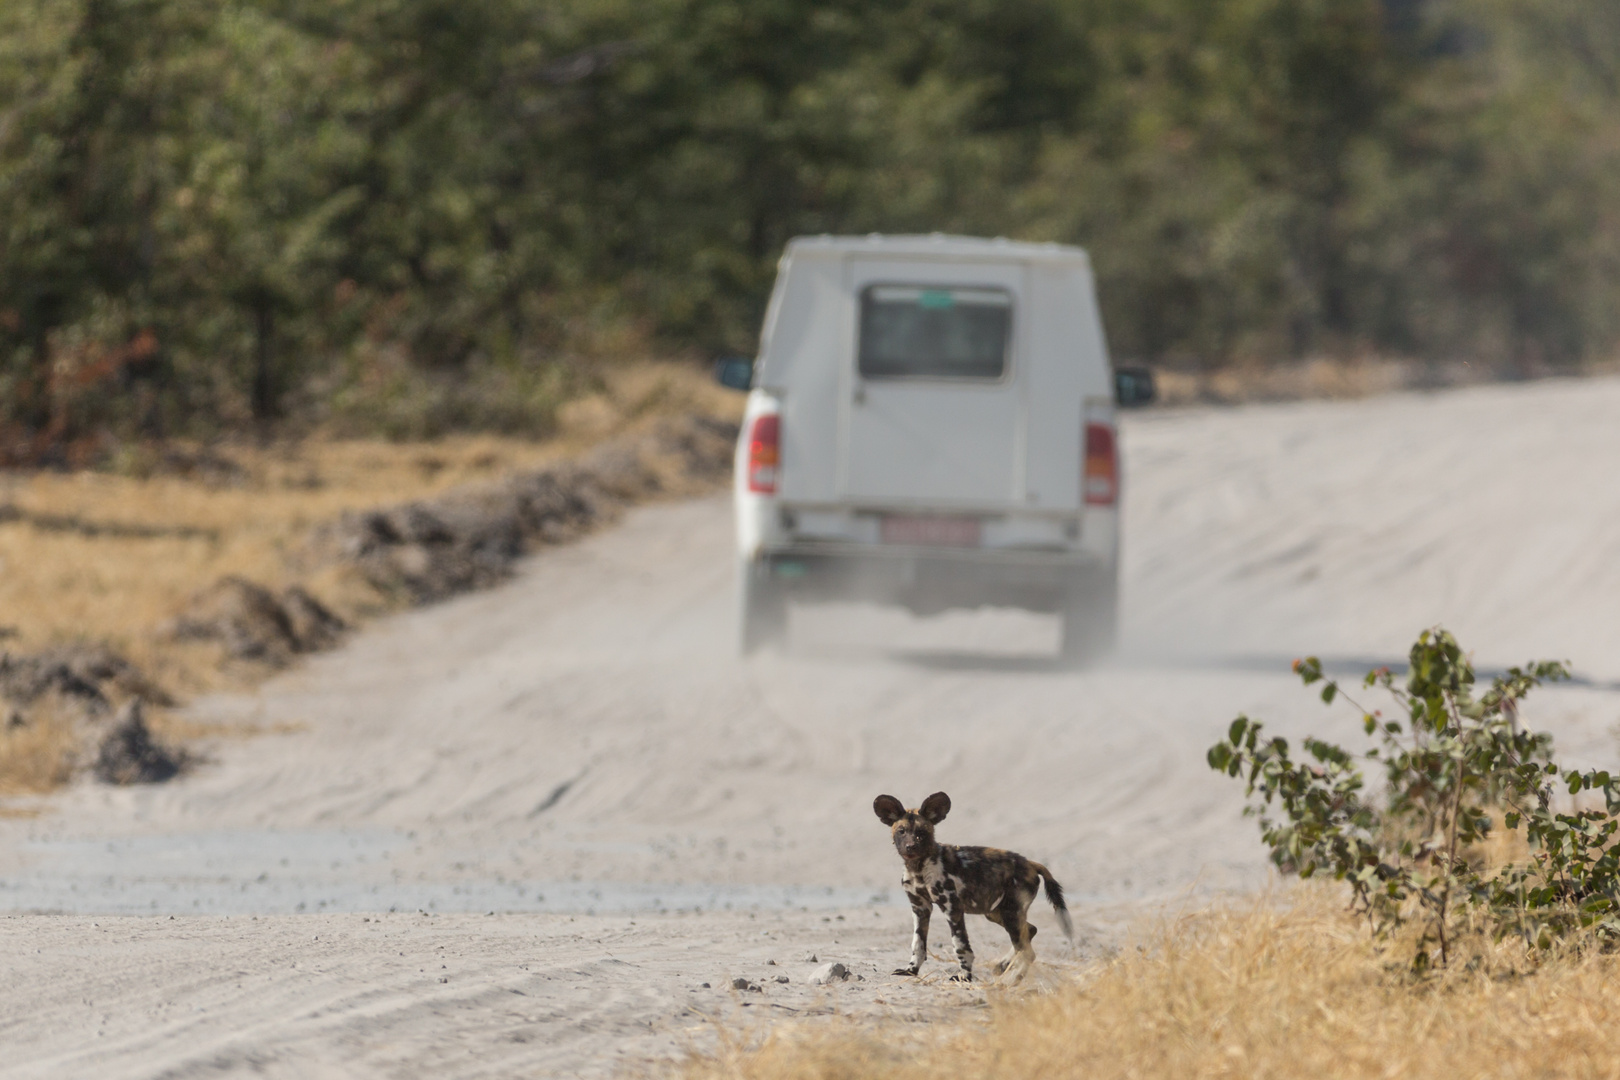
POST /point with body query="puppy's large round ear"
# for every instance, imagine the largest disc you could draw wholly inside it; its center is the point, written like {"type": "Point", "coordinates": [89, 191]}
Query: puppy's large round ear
{"type": "Point", "coordinates": [935, 807]}
{"type": "Point", "coordinates": [888, 809]}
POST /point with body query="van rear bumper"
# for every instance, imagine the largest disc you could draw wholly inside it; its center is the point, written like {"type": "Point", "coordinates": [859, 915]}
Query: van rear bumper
{"type": "Point", "coordinates": [928, 580]}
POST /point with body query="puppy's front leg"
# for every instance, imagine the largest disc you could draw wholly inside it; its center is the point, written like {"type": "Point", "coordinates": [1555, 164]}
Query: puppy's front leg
{"type": "Point", "coordinates": [958, 920]}
{"type": "Point", "coordinates": [920, 910]}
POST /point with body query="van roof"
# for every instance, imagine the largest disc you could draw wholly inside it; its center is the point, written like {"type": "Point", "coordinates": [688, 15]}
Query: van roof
{"type": "Point", "coordinates": [936, 245]}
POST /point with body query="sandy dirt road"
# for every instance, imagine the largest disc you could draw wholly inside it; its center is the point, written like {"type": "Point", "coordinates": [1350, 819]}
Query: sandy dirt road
{"type": "Point", "coordinates": [514, 834]}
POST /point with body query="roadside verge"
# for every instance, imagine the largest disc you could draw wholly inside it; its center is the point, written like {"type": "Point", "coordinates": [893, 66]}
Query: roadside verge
{"type": "Point", "coordinates": [122, 595]}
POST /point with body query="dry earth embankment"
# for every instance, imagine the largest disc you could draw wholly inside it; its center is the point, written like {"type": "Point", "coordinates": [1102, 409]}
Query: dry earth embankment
{"type": "Point", "coordinates": [228, 564]}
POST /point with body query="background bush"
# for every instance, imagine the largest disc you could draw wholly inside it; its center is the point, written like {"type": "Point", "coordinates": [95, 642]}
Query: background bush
{"type": "Point", "coordinates": [410, 214]}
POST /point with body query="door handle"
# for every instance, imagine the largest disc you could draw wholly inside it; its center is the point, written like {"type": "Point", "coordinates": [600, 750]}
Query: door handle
{"type": "Point", "coordinates": [860, 394]}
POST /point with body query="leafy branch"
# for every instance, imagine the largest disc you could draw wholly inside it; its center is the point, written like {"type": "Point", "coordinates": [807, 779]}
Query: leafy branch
{"type": "Point", "coordinates": [1455, 760]}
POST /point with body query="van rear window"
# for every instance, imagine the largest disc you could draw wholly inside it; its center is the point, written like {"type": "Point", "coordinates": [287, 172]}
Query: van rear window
{"type": "Point", "coordinates": [908, 330]}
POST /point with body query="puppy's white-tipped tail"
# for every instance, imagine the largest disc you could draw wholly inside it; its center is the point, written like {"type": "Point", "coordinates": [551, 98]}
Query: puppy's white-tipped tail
{"type": "Point", "coordinates": [1054, 893]}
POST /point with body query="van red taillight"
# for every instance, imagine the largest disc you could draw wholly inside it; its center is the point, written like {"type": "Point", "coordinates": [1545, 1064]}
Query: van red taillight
{"type": "Point", "coordinates": [764, 454]}
{"type": "Point", "coordinates": [1100, 480]}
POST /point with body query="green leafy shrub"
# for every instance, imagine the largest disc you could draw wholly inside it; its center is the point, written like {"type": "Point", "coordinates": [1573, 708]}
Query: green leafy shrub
{"type": "Point", "coordinates": [1456, 762]}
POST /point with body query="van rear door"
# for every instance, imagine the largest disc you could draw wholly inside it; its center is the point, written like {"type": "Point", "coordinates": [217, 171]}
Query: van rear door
{"type": "Point", "coordinates": [934, 414]}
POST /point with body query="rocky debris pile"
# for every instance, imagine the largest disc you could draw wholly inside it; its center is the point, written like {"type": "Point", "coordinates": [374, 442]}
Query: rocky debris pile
{"type": "Point", "coordinates": [129, 755]}
{"type": "Point", "coordinates": [86, 676]}
{"type": "Point", "coordinates": [421, 551]}
{"type": "Point", "coordinates": [26, 679]}
{"type": "Point", "coordinates": [254, 623]}
{"type": "Point", "coordinates": [467, 539]}
{"type": "Point", "coordinates": [428, 551]}
{"type": "Point", "coordinates": [73, 688]}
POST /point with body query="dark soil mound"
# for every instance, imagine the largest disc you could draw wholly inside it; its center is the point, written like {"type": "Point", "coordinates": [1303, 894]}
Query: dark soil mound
{"type": "Point", "coordinates": [129, 755]}
{"type": "Point", "coordinates": [470, 539]}
{"type": "Point", "coordinates": [313, 625]}
{"type": "Point", "coordinates": [86, 675]}
{"type": "Point", "coordinates": [26, 679]}
{"type": "Point", "coordinates": [255, 624]}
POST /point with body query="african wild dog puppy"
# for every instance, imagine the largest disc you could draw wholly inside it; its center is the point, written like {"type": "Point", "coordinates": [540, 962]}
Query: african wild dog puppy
{"type": "Point", "coordinates": [1000, 885]}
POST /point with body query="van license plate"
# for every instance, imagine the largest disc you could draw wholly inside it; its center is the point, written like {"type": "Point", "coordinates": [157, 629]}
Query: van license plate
{"type": "Point", "coordinates": [930, 531]}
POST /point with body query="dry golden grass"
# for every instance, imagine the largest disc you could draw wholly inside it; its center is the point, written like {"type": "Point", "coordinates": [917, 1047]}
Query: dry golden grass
{"type": "Point", "coordinates": [1271, 991]}
{"type": "Point", "coordinates": [1333, 378]}
{"type": "Point", "coordinates": [1312, 379]}
{"type": "Point", "coordinates": [104, 556]}
{"type": "Point", "coordinates": [111, 555]}
{"type": "Point", "coordinates": [108, 557]}
{"type": "Point", "coordinates": [37, 756]}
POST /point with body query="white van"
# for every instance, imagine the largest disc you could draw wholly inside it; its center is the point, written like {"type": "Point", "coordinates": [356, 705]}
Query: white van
{"type": "Point", "coordinates": [931, 424]}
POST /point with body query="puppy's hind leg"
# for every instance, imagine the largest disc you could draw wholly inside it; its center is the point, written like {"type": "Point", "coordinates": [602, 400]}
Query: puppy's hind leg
{"type": "Point", "coordinates": [1005, 958]}
{"type": "Point", "coordinates": [1015, 918]}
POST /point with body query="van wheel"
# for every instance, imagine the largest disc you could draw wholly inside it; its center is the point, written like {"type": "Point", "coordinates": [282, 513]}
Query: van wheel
{"type": "Point", "coordinates": [1090, 620]}
{"type": "Point", "coordinates": [762, 608]}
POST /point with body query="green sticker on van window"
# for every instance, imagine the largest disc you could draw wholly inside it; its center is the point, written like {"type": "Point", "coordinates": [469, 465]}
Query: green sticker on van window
{"type": "Point", "coordinates": [936, 300]}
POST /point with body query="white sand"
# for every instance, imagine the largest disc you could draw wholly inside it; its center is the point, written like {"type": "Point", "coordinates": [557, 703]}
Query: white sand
{"type": "Point", "coordinates": [581, 753]}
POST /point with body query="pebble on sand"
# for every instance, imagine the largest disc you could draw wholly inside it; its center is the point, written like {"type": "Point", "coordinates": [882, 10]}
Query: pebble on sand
{"type": "Point", "coordinates": [829, 973]}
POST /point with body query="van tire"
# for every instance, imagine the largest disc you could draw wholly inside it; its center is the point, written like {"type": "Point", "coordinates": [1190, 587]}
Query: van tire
{"type": "Point", "coordinates": [762, 608]}
{"type": "Point", "coordinates": [1090, 620]}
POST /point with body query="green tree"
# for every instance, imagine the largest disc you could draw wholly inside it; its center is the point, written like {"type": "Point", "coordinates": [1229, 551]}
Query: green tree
{"type": "Point", "coordinates": [218, 210]}
{"type": "Point", "coordinates": [254, 227]}
{"type": "Point", "coordinates": [85, 144]}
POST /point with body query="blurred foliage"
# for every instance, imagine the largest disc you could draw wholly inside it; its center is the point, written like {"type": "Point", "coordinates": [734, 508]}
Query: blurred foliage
{"type": "Point", "coordinates": [411, 215]}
